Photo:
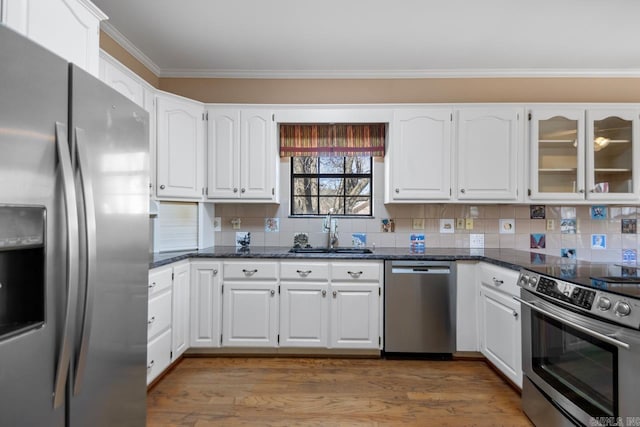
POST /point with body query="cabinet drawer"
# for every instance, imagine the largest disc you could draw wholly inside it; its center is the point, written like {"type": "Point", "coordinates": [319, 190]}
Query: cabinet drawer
{"type": "Point", "coordinates": [355, 272]}
{"type": "Point", "coordinates": [159, 317]}
{"type": "Point", "coordinates": [158, 355]}
{"type": "Point", "coordinates": [499, 278]}
{"type": "Point", "coordinates": [250, 270]}
{"type": "Point", "coordinates": [159, 279]}
{"type": "Point", "coordinates": [308, 271]}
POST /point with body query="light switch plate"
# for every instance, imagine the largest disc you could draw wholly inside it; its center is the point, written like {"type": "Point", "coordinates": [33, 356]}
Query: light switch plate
{"type": "Point", "coordinates": [460, 223]}
{"type": "Point", "coordinates": [551, 225]}
{"type": "Point", "coordinates": [468, 224]}
{"type": "Point", "coordinates": [418, 223]}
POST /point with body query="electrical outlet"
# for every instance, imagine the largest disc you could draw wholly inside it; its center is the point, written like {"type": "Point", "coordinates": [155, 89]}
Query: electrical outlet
{"type": "Point", "coordinates": [235, 223]}
{"type": "Point", "coordinates": [460, 223]}
{"type": "Point", "coordinates": [468, 224]}
{"type": "Point", "coordinates": [551, 225]}
{"type": "Point", "coordinates": [418, 223]}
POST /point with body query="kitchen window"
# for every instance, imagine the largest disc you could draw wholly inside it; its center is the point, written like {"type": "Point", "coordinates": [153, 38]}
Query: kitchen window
{"type": "Point", "coordinates": [332, 166]}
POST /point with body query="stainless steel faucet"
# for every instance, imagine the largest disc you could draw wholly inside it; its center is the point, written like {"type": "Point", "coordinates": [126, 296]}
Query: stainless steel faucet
{"type": "Point", "coordinates": [331, 226]}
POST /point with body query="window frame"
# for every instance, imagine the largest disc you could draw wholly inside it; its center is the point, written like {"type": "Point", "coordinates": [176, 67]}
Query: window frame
{"type": "Point", "coordinates": [318, 176]}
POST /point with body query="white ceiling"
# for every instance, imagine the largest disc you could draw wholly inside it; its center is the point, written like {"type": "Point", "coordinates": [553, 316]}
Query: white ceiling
{"type": "Point", "coordinates": [379, 38]}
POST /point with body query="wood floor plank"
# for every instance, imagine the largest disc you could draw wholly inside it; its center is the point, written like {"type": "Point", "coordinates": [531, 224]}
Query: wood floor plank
{"type": "Point", "coordinates": [230, 391]}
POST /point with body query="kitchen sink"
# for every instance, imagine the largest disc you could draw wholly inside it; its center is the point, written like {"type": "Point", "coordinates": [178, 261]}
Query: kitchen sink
{"type": "Point", "coordinates": [330, 251]}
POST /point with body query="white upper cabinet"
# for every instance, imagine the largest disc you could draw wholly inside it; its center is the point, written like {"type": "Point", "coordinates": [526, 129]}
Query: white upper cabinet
{"type": "Point", "coordinates": [180, 148]}
{"type": "Point", "coordinates": [419, 156]}
{"type": "Point", "coordinates": [69, 28]}
{"type": "Point", "coordinates": [242, 163]}
{"type": "Point", "coordinates": [489, 141]}
{"type": "Point", "coordinates": [122, 79]}
{"type": "Point", "coordinates": [578, 154]}
{"type": "Point", "coordinates": [612, 159]}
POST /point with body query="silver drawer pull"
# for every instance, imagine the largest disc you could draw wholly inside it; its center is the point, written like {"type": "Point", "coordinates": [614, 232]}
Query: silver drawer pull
{"type": "Point", "coordinates": [304, 273]}
{"type": "Point", "coordinates": [150, 365]}
{"type": "Point", "coordinates": [250, 272]}
{"type": "Point", "coordinates": [497, 282]}
{"type": "Point", "coordinates": [324, 293]}
{"type": "Point", "coordinates": [355, 274]}
{"type": "Point", "coordinates": [152, 285]}
{"type": "Point", "coordinates": [335, 294]}
{"type": "Point", "coordinates": [153, 319]}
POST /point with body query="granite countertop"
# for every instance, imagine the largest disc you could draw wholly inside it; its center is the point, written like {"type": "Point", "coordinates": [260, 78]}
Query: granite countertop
{"type": "Point", "coordinates": [509, 258]}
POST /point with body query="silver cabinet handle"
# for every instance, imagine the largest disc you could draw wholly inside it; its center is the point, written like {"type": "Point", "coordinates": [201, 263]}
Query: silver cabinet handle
{"type": "Point", "coordinates": [581, 191]}
{"type": "Point", "coordinates": [152, 285]}
{"type": "Point", "coordinates": [73, 259]}
{"type": "Point", "coordinates": [150, 321]}
{"type": "Point", "coordinates": [249, 272]}
{"type": "Point", "coordinates": [515, 314]}
{"type": "Point", "coordinates": [462, 190]}
{"type": "Point", "coordinates": [592, 191]}
{"type": "Point", "coordinates": [162, 187]}
{"type": "Point", "coordinates": [497, 282]}
{"type": "Point", "coordinates": [215, 271]}
{"type": "Point", "coordinates": [304, 273]}
{"type": "Point", "coordinates": [235, 190]}
{"type": "Point", "coordinates": [150, 365]}
{"type": "Point", "coordinates": [397, 190]}
{"type": "Point", "coordinates": [273, 292]}
{"type": "Point", "coordinates": [243, 190]}
{"type": "Point", "coordinates": [324, 293]}
{"type": "Point", "coordinates": [335, 294]}
{"type": "Point", "coordinates": [581, 328]}
{"type": "Point", "coordinates": [355, 274]}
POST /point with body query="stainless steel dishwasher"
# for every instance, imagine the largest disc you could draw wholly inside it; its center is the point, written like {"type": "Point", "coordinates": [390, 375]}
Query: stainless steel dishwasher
{"type": "Point", "coordinates": [420, 307]}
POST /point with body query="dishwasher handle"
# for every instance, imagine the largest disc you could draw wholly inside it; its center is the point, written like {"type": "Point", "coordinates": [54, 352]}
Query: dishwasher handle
{"type": "Point", "coordinates": [421, 270]}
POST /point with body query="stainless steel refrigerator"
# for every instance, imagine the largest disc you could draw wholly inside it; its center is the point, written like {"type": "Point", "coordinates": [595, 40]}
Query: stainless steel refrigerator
{"type": "Point", "coordinates": [73, 245]}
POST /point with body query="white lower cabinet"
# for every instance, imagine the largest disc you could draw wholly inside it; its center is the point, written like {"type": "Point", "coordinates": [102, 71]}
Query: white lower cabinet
{"type": "Point", "coordinates": [206, 304]}
{"type": "Point", "coordinates": [158, 355]}
{"type": "Point", "coordinates": [159, 322]}
{"type": "Point", "coordinates": [466, 306]}
{"type": "Point", "coordinates": [355, 315]}
{"type": "Point", "coordinates": [180, 310]}
{"type": "Point", "coordinates": [499, 321]}
{"type": "Point", "coordinates": [250, 314]}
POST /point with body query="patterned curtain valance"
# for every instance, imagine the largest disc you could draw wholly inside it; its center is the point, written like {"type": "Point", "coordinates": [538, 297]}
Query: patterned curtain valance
{"type": "Point", "coordinates": [332, 139]}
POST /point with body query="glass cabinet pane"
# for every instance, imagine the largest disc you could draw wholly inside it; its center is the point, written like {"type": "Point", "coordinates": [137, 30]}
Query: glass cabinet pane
{"type": "Point", "coordinates": [558, 155]}
{"type": "Point", "coordinates": [613, 155]}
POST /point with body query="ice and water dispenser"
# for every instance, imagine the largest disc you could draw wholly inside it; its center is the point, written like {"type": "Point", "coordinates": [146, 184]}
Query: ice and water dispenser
{"type": "Point", "coordinates": [22, 269]}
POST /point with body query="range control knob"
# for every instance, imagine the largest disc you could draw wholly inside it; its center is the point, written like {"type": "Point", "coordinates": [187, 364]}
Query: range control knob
{"type": "Point", "coordinates": [604, 303]}
{"type": "Point", "coordinates": [524, 279]}
{"type": "Point", "coordinates": [622, 309]}
{"type": "Point", "coordinates": [533, 281]}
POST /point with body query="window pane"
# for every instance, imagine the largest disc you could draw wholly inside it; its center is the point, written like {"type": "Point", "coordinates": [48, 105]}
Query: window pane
{"type": "Point", "coordinates": [358, 164]}
{"type": "Point", "coordinates": [305, 205]}
{"type": "Point", "coordinates": [331, 164]}
{"type": "Point", "coordinates": [305, 186]}
{"type": "Point", "coordinates": [331, 186]}
{"type": "Point", "coordinates": [305, 164]}
{"type": "Point", "coordinates": [358, 206]}
{"type": "Point", "coordinates": [335, 203]}
{"type": "Point", "coordinates": [358, 186]}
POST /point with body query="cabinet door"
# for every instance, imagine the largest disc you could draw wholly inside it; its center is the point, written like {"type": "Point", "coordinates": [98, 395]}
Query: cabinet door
{"type": "Point", "coordinates": [206, 305]}
{"type": "Point", "coordinates": [420, 155]}
{"type": "Point", "coordinates": [304, 315]}
{"type": "Point", "coordinates": [180, 310]}
{"type": "Point", "coordinates": [119, 78]}
{"type": "Point", "coordinates": [180, 149]}
{"type": "Point", "coordinates": [257, 155]}
{"type": "Point", "coordinates": [500, 334]}
{"type": "Point", "coordinates": [487, 154]}
{"type": "Point", "coordinates": [223, 173]}
{"type": "Point", "coordinates": [355, 315]}
{"type": "Point", "coordinates": [557, 155]}
{"type": "Point", "coordinates": [612, 159]}
{"type": "Point", "coordinates": [250, 314]}
{"type": "Point", "coordinates": [69, 28]}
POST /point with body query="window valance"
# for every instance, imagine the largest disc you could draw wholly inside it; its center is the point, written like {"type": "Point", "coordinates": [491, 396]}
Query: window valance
{"type": "Point", "coordinates": [338, 139]}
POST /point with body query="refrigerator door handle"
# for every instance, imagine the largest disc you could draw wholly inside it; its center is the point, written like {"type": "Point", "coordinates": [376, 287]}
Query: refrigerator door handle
{"type": "Point", "coordinates": [71, 213]}
{"type": "Point", "coordinates": [88, 259]}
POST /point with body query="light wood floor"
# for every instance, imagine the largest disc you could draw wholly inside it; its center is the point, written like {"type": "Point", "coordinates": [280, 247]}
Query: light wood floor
{"type": "Point", "coordinates": [332, 392]}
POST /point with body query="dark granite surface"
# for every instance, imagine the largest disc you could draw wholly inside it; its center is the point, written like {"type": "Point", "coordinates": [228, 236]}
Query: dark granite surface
{"type": "Point", "coordinates": [508, 258]}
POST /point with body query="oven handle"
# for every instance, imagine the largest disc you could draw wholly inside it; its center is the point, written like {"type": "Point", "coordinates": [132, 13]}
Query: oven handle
{"type": "Point", "coordinates": [587, 331]}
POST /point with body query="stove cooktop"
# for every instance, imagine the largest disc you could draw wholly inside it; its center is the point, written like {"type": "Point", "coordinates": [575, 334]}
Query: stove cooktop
{"type": "Point", "coordinates": [621, 279]}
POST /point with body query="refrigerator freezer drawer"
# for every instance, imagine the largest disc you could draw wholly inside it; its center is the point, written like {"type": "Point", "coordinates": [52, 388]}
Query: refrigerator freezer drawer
{"type": "Point", "coordinates": [158, 355]}
{"type": "Point", "coordinates": [159, 315]}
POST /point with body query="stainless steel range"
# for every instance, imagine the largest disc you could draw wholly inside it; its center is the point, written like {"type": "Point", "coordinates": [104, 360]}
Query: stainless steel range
{"type": "Point", "coordinates": [581, 345]}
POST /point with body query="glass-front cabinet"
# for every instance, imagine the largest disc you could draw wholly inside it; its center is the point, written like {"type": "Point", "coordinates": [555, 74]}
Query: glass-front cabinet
{"type": "Point", "coordinates": [583, 155]}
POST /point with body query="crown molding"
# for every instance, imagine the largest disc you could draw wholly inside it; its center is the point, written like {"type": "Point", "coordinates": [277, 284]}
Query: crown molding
{"type": "Point", "coordinates": [94, 9]}
{"type": "Point", "coordinates": [130, 47]}
{"type": "Point", "coordinates": [402, 74]}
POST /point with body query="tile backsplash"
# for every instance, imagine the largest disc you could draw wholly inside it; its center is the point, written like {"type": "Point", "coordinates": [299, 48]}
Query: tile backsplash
{"type": "Point", "coordinates": [577, 231]}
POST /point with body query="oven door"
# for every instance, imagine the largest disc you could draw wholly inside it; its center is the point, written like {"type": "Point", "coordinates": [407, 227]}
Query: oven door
{"type": "Point", "coordinates": [583, 366]}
